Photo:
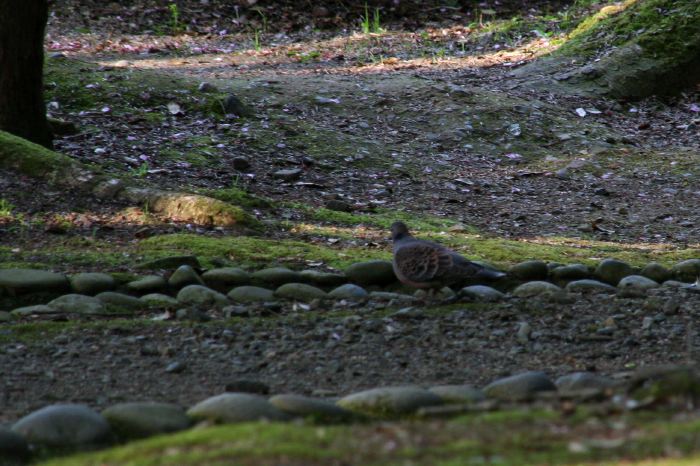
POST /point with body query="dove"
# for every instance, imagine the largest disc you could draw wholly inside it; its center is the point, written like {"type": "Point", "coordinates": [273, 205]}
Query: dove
{"type": "Point", "coordinates": [424, 264]}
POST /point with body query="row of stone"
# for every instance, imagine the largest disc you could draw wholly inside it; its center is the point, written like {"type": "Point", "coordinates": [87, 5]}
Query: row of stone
{"type": "Point", "coordinates": [71, 426]}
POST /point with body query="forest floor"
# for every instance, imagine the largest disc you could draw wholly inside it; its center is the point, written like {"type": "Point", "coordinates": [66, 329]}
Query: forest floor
{"type": "Point", "coordinates": [426, 124]}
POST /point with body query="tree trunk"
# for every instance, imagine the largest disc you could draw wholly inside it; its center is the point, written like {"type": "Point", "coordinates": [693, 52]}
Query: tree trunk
{"type": "Point", "coordinates": [22, 108]}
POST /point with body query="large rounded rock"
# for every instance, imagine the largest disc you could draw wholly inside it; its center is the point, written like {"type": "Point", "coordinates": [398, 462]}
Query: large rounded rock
{"type": "Point", "coordinates": [589, 286]}
{"type": "Point", "coordinates": [349, 291]}
{"type": "Point", "coordinates": [37, 309]}
{"type": "Point", "coordinates": [300, 292]}
{"type": "Point", "coordinates": [144, 419]}
{"type": "Point", "coordinates": [458, 393]}
{"type": "Point", "coordinates": [583, 381]}
{"type": "Point", "coordinates": [183, 276]}
{"type": "Point", "coordinates": [19, 281]}
{"type": "Point", "coordinates": [236, 407]}
{"type": "Point", "coordinates": [64, 426]}
{"type": "Point", "coordinates": [78, 304]}
{"type": "Point", "coordinates": [276, 276]}
{"type": "Point", "coordinates": [120, 301]}
{"type": "Point", "coordinates": [158, 300]}
{"type": "Point", "coordinates": [199, 295]}
{"type": "Point", "coordinates": [314, 408]}
{"type": "Point", "coordinates": [686, 271]}
{"type": "Point", "coordinates": [637, 283]}
{"type": "Point", "coordinates": [481, 293]}
{"type": "Point", "coordinates": [91, 283]}
{"type": "Point", "coordinates": [13, 448]}
{"type": "Point", "coordinates": [319, 278]}
{"type": "Point", "coordinates": [656, 272]}
{"type": "Point", "coordinates": [612, 271]}
{"type": "Point", "coordinates": [225, 278]}
{"type": "Point", "coordinates": [389, 401]}
{"type": "Point", "coordinates": [376, 272]}
{"type": "Point", "coordinates": [520, 386]}
{"type": "Point", "coordinates": [529, 270]}
{"type": "Point", "coordinates": [251, 294]}
{"type": "Point", "coordinates": [147, 284]}
{"type": "Point", "coordinates": [570, 272]}
{"type": "Point", "coordinates": [536, 288]}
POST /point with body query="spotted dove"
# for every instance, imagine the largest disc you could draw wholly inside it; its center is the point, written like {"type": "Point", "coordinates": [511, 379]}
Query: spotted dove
{"type": "Point", "coordinates": [424, 264]}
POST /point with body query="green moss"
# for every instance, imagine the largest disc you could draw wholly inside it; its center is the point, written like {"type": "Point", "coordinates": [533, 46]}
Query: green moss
{"type": "Point", "coordinates": [237, 196]}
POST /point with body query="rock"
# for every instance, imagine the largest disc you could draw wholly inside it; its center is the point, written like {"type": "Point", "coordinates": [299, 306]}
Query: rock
{"type": "Point", "coordinates": [207, 87]}
{"type": "Point", "coordinates": [170, 263]}
{"type": "Point", "coordinates": [37, 309]}
{"type": "Point", "coordinates": [194, 314]}
{"type": "Point", "coordinates": [389, 296]}
{"type": "Point", "coordinates": [289, 174]}
{"type": "Point", "coordinates": [20, 281]}
{"type": "Point", "coordinates": [175, 367]}
{"type": "Point", "coordinates": [536, 288]}
{"type": "Point", "coordinates": [389, 401]}
{"type": "Point", "coordinates": [277, 276]}
{"type": "Point", "coordinates": [570, 272]}
{"type": "Point", "coordinates": [224, 278]}
{"type": "Point", "coordinates": [64, 426]}
{"type": "Point", "coordinates": [656, 272]}
{"type": "Point", "coordinates": [62, 127]}
{"type": "Point", "coordinates": [589, 286]}
{"type": "Point", "coordinates": [241, 164]}
{"type": "Point", "coordinates": [524, 332]}
{"type": "Point", "coordinates": [314, 408]}
{"type": "Point", "coordinates": [458, 393]}
{"type": "Point", "coordinates": [408, 313]}
{"type": "Point", "coordinates": [91, 283]}
{"type": "Point", "coordinates": [338, 206]}
{"type": "Point", "coordinates": [481, 293]}
{"type": "Point", "coordinates": [159, 300]}
{"type": "Point", "coordinates": [686, 271]}
{"type": "Point", "coordinates": [6, 316]}
{"type": "Point", "coordinates": [247, 386]}
{"type": "Point", "coordinates": [78, 304]}
{"type": "Point", "coordinates": [530, 270]}
{"type": "Point", "coordinates": [665, 383]}
{"type": "Point", "coordinates": [637, 283]}
{"type": "Point", "coordinates": [144, 419]}
{"type": "Point", "coordinates": [612, 271]}
{"type": "Point", "coordinates": [583, 381]}
{"type": "Point", "coordinates": [201, 296]}
{"type": "Point", "coordinates": [120, 301]}
{"type": "Point", "coordinates": [108, 189]}
{"type": "Point", "coordinates": [236, 407]}
{"type": "Point", "coordinates": [147, 284]}
{"type": "Point", "coordinates": [519, 387]}
{"type": "Point", "coordinates": [251, 294]}
{"type": "Point", "coordinates": [376, 272]}
{"type": "Point", "coordinates": [183, 276]}
{"type": "Point", "coordinates": [349, 291]}
{"type": "Point", "coordinates": [300, 292]}
{"type": "Point", "coordinates": [13, 448]}
{"type": "Point", "coordinates": [322, 278]}
{"type": "Point", "coordinates": [232, 105]}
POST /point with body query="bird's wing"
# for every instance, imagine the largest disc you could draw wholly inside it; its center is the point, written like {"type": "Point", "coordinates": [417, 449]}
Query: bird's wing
{"type": "Point", "coordinates": [422, 262]}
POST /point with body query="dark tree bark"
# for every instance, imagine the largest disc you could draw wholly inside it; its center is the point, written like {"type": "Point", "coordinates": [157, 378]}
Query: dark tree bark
{"type": "Point", "coordinates": [22, 107]}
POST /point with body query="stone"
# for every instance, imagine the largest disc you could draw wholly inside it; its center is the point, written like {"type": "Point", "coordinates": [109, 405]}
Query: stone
{"type": "Point", "coordinates": [64, 426]}
{"type": "Point", "coordinates": [120, 301]}
{"type": "Point", "coordinates": [251, 294]}
{"type": "Point", "coordinates": [349, 291]}
{"type": "Point", "coordinates": [6, 316]}
{"type": "Point", "coordinates": [536, 288]}
{"type": "Point", "coordinates": [656, 272]}
{"type": "Point", "coordinates": [570, 272]}
{"type": "Point", "coordinates": [175, 367]}
{"type": "Point", "coordinates": [170, 263]}
{"type": "Point", "coordinates": [147, 284]}
{"type": "Point", "coordinates": [375, 272]}
{"type": "Point", "coordinates": [519, 387]}
{"type": "Point", "coordinates": [300, 292]}
{"type": "Point", "coordinates": [224, 278]}
{"type": "Point", "coordinates": [389, 401]}
{"type": "Point", "coordinates": [108, 189]}
{"type": "Point", "coordinates": [20, 281]}
{"type": "Point", "coordinates": [589, 286]}
{"type": "Point", "coordinates": [277, 276]}
{"type": "Point", "coordinates": [144, 419]}
{"type": "Point", "coordinates": [232, 105]}
{"type": "Point", "coordinates": [389, 296]}
{"type": "Point", "coordinates": [466, 394]}
{"type": "Point", "coordinates": [183, 276]}
{"type": "Point", "coordinates": [201, 296]}
{"type": "Point", "coordinates": [481, 293]}
{"type": "Point", "coordinates": [637, 283]}
{"type": "Point", "coordinates": [339, 206]}
{"type": "Point", "coordinates": [247, 386]}
{"type": "Point", "coordinates": [207, 87]}
{"type": "Point", "coordinates": [37, 309]}
{"type": "Point", "coordinates": [91, 283]}
{"type": "Point", "coordinates": [666, 382]}
{"type": "Point", "coordinates": [236, 407]}
{"type": "Point", "coordinates": [241, 164]}
{"type": "Point", "coordinates": [583, 381]}
{"type": "Point", "coordinates": [687, 271]}
{"type": "Point", "coordinates": [319, 278]}
{"type": "Point", "coordinates": [159, 300]}
{"type": "Point", "coordinates": [314, 408]}
{"type": "Point", "coordinates": [13, 448]}
{"type": "Point", "coordinates": [78, 304]}
{"type": "Point", "coordinates": [530, 270]}
{"type": "Point", "coordinates": [612, 271]}
{"type": "Point", "coordinates": [289, 174]}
